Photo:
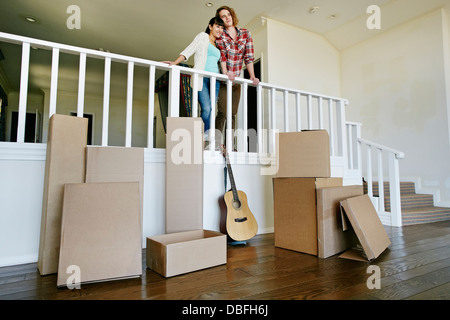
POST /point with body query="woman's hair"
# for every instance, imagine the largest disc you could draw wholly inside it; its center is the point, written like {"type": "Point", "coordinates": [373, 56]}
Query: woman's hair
{"type": "Point", "coordinates": [233, 14]}
{"type": "Point", "coordinates": [213, 21]}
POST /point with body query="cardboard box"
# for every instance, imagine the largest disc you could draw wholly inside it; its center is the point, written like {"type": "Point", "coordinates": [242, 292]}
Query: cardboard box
{"type": "Point", "coordinates": [100, 232]}
{"type": "Point", "coordinates": [182, 252]}
{"type": "Point", "coordinates": [65, 163]}
{"type": "Point", "coordinates": [367, 226]}
{"type": "Point", "coordinates": [184, 174]}
{"type": "Point", "coordinates": [303, 154]}
{"type": "Point", "coordinates": [295, 212]}
{"type": "Point", "coordinates": [331, 237]}
{"type": "Point", "coordinates": [116, 164]}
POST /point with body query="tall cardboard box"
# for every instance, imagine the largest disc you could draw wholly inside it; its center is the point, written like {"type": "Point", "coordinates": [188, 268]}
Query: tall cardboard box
{"type": "Point", "coordinates": [332, 237]}
{"type": "Point", "coordinates": [184, 174]}
{"type": "Point", "coordinates": [65, 163]}
{"type": "Point", "coordinates": [100, 232]}
{"type": "Point", "coordinates": [116, 164]}
{"type": "Point", "coordinates": [295, 212]}
{"type": "Point", "coordinates": [303, 154]}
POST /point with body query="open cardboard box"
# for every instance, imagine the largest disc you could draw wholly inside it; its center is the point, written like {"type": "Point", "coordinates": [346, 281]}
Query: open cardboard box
{"type": "Point", "coordinates": [367, 226]}
{"type": "Point", "coordinates": [331, 236]}
{"type": "Point", "coordinates": [295, 212]}
{"type": "Point", "coordinates": [182, 252]}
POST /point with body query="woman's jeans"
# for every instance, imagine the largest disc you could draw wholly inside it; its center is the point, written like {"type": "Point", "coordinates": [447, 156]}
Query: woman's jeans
{"type": "Point", "coordinates": [205, 102]}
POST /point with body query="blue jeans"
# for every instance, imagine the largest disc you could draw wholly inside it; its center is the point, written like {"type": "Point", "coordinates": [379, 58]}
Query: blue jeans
{"type": "Point", "coordinates": [205, 101]}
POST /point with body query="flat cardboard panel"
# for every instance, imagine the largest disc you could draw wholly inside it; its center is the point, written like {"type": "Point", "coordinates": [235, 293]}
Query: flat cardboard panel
{"type": "Point", "coordinates": [116, 164]}
{"type": "Point", "coordinates": [295, 212]}
{"type": "Point", "coordinates": [332, 239]}
{"type": "Point", "coordinates": [303, 154]}
{"type": "Point", "coordinates": [184, 174]}
{"type": "Point", "coordinates": [101, 231]}
{"type": "Point", "coordinates": [182, 252]}
{"type": "Point", "coordinates": [65, 163]}
{"type": "Point", "coordinates": [367, 225]}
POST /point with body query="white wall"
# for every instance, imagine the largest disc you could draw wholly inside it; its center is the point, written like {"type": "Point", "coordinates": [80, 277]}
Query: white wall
{"type": "Point", "coordinates": [303, 60]}
{"type": "Point", "coordinates": [396, 84]}
{"type": "Point", "coordinates": [22, 169]}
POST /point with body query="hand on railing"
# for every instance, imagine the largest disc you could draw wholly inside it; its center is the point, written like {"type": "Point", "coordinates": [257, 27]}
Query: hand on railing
{"type": "Point", "coordinates": [255, 80]}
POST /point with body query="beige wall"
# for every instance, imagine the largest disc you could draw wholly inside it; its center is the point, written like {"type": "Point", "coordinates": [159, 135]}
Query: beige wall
{"type": "Point", "coordinates": [396, 84]}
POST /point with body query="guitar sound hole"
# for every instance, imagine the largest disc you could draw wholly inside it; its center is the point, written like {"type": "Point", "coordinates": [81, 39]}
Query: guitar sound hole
{"type": "Point", "coordinates": [236, 204]}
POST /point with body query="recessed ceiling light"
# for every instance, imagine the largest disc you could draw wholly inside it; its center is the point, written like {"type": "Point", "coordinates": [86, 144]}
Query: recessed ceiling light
{"type": "Point", "coordinates": [313, 10]}
{"type": "Point", "coordinates": [31, 19]}
{"type": "Point", "coordinates": [209, 4]}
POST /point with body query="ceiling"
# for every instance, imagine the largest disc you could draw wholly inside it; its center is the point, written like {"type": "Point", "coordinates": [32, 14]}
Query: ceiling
{"type": "Point", "coordinates": [160, 29]}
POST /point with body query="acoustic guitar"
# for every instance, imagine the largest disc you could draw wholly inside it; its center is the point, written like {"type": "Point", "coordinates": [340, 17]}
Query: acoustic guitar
{"type": "Point", "coordinates": [241, 225]}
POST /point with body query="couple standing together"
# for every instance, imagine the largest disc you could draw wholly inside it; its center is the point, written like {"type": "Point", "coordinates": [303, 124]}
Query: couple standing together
{"type": "Point", "coordinates": [224, 44]}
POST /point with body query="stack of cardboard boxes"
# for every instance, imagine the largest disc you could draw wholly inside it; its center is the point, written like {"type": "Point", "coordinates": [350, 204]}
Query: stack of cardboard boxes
{"type": "Point", "coordinates": [91, 226]}
{"type": "Point", "coordinates": [311, 208]}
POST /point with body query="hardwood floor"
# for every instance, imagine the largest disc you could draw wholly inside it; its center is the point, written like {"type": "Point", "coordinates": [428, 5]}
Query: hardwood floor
{"type": "Point", "coordinates": [415, 266]}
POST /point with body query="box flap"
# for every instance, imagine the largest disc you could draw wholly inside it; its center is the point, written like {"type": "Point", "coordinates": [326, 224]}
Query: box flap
{"type": "Point", "coordinates": [367, 225]}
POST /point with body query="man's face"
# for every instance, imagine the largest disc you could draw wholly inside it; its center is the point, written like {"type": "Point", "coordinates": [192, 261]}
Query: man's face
{"type": "Point", "coordinates": [225, 15]}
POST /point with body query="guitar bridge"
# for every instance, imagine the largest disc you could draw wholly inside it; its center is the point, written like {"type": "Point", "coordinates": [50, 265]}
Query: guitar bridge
{"type": "Point", "coordinates": [240, 219]}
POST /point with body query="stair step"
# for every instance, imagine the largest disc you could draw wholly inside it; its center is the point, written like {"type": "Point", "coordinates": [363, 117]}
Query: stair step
{"type": "Point", "coordinates": [405, 188]}
{"type": "Point", "coordinates": [416, 208]}
{"type": "Point", "coordinates": [425, 215]}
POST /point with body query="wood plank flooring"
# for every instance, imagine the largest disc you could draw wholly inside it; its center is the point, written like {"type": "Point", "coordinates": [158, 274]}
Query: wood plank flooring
{"type": "Point", "coordinates": [415, 266]}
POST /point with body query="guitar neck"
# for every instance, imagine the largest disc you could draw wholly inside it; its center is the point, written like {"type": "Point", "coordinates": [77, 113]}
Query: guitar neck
{"type": "Point", "coordinates": [233, 185]}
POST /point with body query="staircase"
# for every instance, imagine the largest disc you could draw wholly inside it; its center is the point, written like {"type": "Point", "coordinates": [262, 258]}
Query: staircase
{"type": "Point", "coordinates": [416, 208]}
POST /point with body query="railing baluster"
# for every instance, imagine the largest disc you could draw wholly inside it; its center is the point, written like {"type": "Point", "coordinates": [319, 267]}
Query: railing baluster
{"type": "Point", "coordinates": [54, 82]}
{"type": "Point", "coordinates": [229, 124]}
{"type": "Point", "coordinates": [331, 127]}
{"type": "Point", "coordinates": [394, 189]}
{"type": "Point", "coordinates": [273, 121]}
{"type": "Point", "coordinates": [151, 105]}
{"type": "Point", "coordinates": [212, 124]}
{"type": "Point", "coordinates": [106, 89]}
{"type": "Point", "coordinates": [298, 111]}
{"type": "Point", "coordinates": [245, 116]}
{"type": "Point", "coordinates": [380, 181]}
{"type": "Point", "coordinates": [259, 119]}
{"type": "Point", "coordinates": [174, 92]}
{"type": "Point", "coordinates": [369, 172]}
{"type": "Point", "coordinates": [286, 110]}
{"type": "Point", "coordinates": [320, 106]}
{"type": "Point", "coordinates": [81, 85]}
{"type": "Point", "coordinates": [310, 123]}
{"type": "Point", "coordinates": [350, 147]}
{"type": "Point", "coordinates": [23, 92]}
{"type": "Point", "coordinates": [195, 85]}
{"type": "Point", "coordinates": [129, 116]}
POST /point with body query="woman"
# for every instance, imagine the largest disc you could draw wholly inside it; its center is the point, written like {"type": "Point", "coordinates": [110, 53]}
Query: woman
{"type": "Point", "coordinates": [206, 58]}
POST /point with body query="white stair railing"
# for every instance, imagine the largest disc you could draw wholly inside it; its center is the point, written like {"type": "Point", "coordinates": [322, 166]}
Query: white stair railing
{"type": "Point", "coordinates": [309, 113]}
{"type": "Point", "coordinates": [382, 156]}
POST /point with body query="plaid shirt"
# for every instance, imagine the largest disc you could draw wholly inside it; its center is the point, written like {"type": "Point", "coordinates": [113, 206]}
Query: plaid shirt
{"type": "Point", "coordinates": [236, 52]}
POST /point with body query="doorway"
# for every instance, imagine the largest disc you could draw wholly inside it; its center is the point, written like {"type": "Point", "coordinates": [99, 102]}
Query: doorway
{"type": "Point", "coordinates": [90, 118]}
{"type": "Point", "coordinates": [32, 127]}
{"type": "Point", "coordinates": [251, 104]}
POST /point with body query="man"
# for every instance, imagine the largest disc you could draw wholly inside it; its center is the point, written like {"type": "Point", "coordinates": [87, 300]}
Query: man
{"type": "Point", "coordinates": [236, 48]}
